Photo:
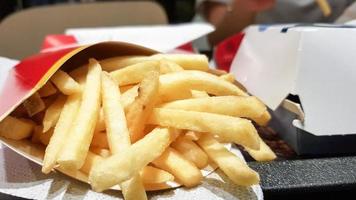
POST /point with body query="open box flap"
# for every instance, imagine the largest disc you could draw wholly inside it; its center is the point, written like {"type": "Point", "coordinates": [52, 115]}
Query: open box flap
{"type": "Point", "coordinates": [317, 64]}
{"type": "Point", "coordinates": [267, 58]}
{"type": "Point", "coordinates": [327, 80]}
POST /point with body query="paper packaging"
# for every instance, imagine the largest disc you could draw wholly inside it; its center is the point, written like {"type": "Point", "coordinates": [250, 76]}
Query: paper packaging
{"type": "Point", "coordinates": [316, 63]}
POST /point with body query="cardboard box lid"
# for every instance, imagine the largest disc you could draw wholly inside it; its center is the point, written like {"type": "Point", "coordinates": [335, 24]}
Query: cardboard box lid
{"type": "Point", "coordinates": [315, 63]}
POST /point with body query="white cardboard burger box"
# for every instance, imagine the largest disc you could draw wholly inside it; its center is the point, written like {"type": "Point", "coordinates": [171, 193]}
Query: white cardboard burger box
{"type": "Point", "coordinates": [316, 63]}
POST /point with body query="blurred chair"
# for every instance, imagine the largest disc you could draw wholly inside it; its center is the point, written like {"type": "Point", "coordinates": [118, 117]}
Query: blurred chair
{"type": "Point", "coordinates": [22, 33]}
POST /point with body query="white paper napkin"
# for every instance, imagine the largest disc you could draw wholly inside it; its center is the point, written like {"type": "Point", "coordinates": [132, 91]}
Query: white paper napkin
{"type": "Point", "coordinates": [162, 38]}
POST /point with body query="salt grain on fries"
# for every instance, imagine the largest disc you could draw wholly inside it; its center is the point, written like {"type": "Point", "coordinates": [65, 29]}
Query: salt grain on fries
{"type": "Point", "coordinates": [172, 110]}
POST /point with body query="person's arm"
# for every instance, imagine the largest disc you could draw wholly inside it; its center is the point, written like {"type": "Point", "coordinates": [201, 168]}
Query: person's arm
{"type": "Point", "coordinates": [237, 16]}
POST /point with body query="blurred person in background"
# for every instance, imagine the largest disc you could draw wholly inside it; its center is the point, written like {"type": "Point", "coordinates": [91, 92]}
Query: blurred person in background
{"type": "Point", "coordinates": [232, 16]}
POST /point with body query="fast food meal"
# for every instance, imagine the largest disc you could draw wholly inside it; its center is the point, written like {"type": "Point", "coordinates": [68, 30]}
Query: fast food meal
{"type": "Point", "coordinates": [142, 121]}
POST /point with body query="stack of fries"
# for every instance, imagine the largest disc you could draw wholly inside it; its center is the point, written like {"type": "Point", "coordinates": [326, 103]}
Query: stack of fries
{"type": "Point", "coordinates": [138, 121]}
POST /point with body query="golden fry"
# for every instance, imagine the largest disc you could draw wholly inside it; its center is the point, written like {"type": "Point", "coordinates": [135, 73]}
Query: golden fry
{"type": "Point", "coordinates": [134, 73]}
{"type": "Point", "coordinates": [185, 171]}
{"type": "Point", "coordinates": [166, 66]}
{"type": "Point", "coordinates": [47, 90]}
{"type": "Point", "coordinates": [192, 135]}
{"type": "Point", "coordinates": [191, 152]}
{"type": "Point", "coordinates": [229, 163]}
{"type": "Point", "coordinates": [263, 154]}
{"type": "Point", "coordinates": [66, 84]}
{"type": "Point", "coordinates": [186, 61]}
{"type": "Point", "coordinates": [237, 106]}
{"type": "Point", "coordinates": [179, 85]}
{"type": "Point", "coordinates": [153, 175]}
{"type": "Point", "coordinates": [52, 113]}
{"type": "Point", "coordinates": [123, 166]}
{"type": "Point", "coordinates": [34, 104]}
{"type": "Point", "coordinates": [141, 108]}
{"type": "Point", "coordinates": [61, 132]}
{"type": "Point", "coordinates": [233, 129]}
{"type": "Point", "coordinates": [16, 129]}
{"type": "Point", "coordinates": [129, 96]}
{"type": "Point", "coordinates": [115, 63]}
{"type": "Point", "coordinates": [81, 134]}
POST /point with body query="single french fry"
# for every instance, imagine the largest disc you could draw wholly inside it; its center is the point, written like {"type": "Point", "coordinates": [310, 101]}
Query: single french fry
{"type": "Point", "coordinates": [37, 132]}
{"type": "Point", "coordinates": [185, 171]}
{"type": "Point", "coordinates": [47, 90]}
{"type": "Point", "coordinates": [133, 189]}
{"type": "Point", "coordinates": [100, 151]}
{"type": "Point", "coordinates": [153, 175]}
{"type": "Point", "coordinates": [129, 96]}
{"type": "Point", "coordinates": [199, 94]}
{"type": "Point", "coordinates": [100, 124]}
{"type": "Point", "coordinates": [263, 154]}
{"type": "Point", "coordinates": [100, 140]}
{"type": "Point", "coordinates": [234, 129]}
{"type": "Point", "coordinates": [229, 163]}
{"type": "Point", "coordinates": [118, 134]}
{"type": "Point", "coordinates": [123, 166]}
{"type": "Point", "coordinates": [53, 112]}
{"type": "Point", "coordinates": [16, 129]}
{"type": "Point", "coordinates": [61, 132]}
{"type": "Point", "coordinates": [141, 108]}
{"type": "Point", "coordinates": [191, 151]}
{"type": "Point", "coordinates": [81, 134]}
{"type": "Point", "coordinates": [34, 104]}
{"type": "Point", "coordinates": [186, 61]}
{"type": "Point", "coordinates": [91, 160]}
{"type": "Point", "coordinates": [66, 84]}
{"type": "Point", "coordinates": [263, 119]}
{"type": "Point", "coordinates": [167, 66]}
{"type": "Point", "coordinates": [192, 135]}
{"type": "Point", "coordinates": [115, 63]}
{"type": "Point", "coordinates": [228, 77]}
{"type": "Point", "coordinates": [237, 106]}
{"type": "Point", "coordinates": [125, 88]}
{"type": "Point", "coordinates": [179, 85]}
{"type": "Point", "coordinates": [79, 74]}
{"type": "Point", "coordinates": [45, 137]}
{"type": "Point", "coordinates": [325, 7]}
{"type": "Point", "coordinates": [134, 73]}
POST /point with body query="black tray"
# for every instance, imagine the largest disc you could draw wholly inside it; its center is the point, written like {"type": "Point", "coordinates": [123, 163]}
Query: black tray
{"type": "Point", "coordinates": [319, 177]}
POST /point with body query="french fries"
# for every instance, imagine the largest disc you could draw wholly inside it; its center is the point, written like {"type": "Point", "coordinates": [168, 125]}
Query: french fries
{"type": "Point", "coordinates": [134, 73]}
{"type": "Point", "coordinates": [115, 63]}
{"type": "Point", "coordinates": [237, 106]}
{"type": "Point", "coordinates": [81, 133]}
{"type": "Point", "coordinates": [34, 104]}
{"type": "Point", "coordinates": [152, 175]}
{"type": "Point", "coordinates": [129, 96]}
{"type": "Point", "coordinates": [65, 83]}
{"type": "Point", "coordinates": [52, 113]}
{"type": "Point", "coordinates": [61, 132]}
{"type": "Point", "coordinates": [187, 62]}
{"type": "Point", "coordinates": [228, 77]}
{"type": "Point", "coordinates": [16, 129]}
{"type": "Point", "coordinates": [123, 166]}
{"type": "Point", "coordinates": [47, 90]}
{"type": "Point", "coordinates": [263, 154]}
{"type": "Point", "coordinates": [173, 162]}
{"type": "Point", "coordinates": [141, 108]}
{"type": "Point", "coordinates": [191, 152]}
{"type": "Point", "coordinates": [142, 122]}
{"type": "Point", "coordinates": [233, 129]}
{"type": "Point", "coordinates": [229, 163]}
{"type": "Point", "coordinates": [179, 85]}
{"type": "Point", "coordinates": [166, 66]}
{"type": "Point", "coordinates": [100, 140]}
